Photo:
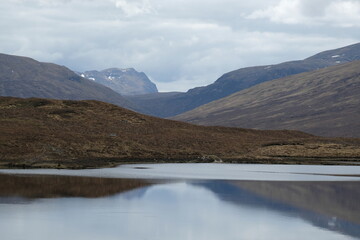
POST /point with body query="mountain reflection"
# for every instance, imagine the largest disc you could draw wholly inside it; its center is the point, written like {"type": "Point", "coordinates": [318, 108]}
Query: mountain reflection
{"type": "Point", "coordinates": [53, 186]}
{"type": "Point", "coordinates": [101, 208]}
{"type": "Point", "coordinates": [330, 205]}
{"type": "Point", "coordinates": [340, 199]}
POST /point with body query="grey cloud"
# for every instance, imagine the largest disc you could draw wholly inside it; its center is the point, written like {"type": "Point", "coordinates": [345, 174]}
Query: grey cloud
{"type": "Point", "coordinates": [180, 44]}
{"type": "Point", "coordinates": [315, 8]}
{"type": "Point", "coordinates": [340, 13]}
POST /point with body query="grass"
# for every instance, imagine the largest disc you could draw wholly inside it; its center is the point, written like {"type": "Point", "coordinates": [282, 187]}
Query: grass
{"type": "Point", "coordinates": [87, 134]}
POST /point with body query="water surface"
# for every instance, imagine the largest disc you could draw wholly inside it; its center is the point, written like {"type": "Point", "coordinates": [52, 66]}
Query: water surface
{"type": "Point", "coordinates": [213, 171]}
{"type": "Point", "coordinates": [216, 205]}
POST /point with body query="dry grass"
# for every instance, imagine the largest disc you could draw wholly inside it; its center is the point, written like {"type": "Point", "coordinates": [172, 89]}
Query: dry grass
{"type": "Point", "coordinates": [78, 134]}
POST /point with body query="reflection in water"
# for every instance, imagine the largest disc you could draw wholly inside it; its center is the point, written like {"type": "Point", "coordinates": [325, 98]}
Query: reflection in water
{"type": "Point", "coordinates": [208, 210]}
{"type": "Point", "coordinates": [339, 199]}
{"type": "Point", "coordinates": [50, 186]}
{"type": "Point", "coordinates": [330, 205]}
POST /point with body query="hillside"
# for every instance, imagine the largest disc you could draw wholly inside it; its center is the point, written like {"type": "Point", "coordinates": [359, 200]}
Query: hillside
{"type": "Point", "coordinates": [241, 79]}
{"type": "Point", "coordinates": [78, 134]}
{"type": "Point", "coordinates": [123, 81]}
{"type": "Point", "coordinates": [25, 77]}
{"type": "Point", "coordinates": [323, 102]}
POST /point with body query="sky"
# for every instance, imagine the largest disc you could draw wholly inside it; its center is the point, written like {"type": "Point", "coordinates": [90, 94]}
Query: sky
{"type": "Point", "coordinates": [179, 44]}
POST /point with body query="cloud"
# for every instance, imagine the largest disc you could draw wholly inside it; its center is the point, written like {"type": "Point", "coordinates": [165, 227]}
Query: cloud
{"type": "Point", "coordinates": [134, 7]}
{"type": "Point", "coordinates": [345, 13]}
{"type": "Point", "coordinates": [180, 44]}
{"type": "Point", "coordinates": [286, 11]}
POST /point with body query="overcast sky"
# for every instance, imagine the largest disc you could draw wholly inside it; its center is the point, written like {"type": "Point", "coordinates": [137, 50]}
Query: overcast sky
{"type": "Point", "coordinates": [179, 44]}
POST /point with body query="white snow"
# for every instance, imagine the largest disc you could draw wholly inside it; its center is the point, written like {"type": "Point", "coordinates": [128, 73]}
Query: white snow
{"type": "Point", "coordinates": [338, 61]}
{"type": "Point", "coordinates": [82, 75]}
{"type": "Point", "coordinates": [335, 56]}
{"type": "Point", "coordinates": [268, 67]}
{"type": "Point", "coordinates": [91, 78]}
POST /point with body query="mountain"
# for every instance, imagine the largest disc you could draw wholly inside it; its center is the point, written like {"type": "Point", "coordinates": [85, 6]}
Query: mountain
{"type": "Point", "coordinates": [161, 104]}
{"type": "Point", "coordinates": [241, 79]}
{"type": "Point", "coordinates": [25, 77]}
{"type": "Point", "coordinates": [77, 134]}
{"type": "Point", "coordinates": [124, 81]}
{"type": "Point", "coordinates": [323, 102]}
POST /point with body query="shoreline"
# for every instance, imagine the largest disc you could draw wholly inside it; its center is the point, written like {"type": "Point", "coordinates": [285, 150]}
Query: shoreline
{"type": "Point", "coordinates": [114, 162]}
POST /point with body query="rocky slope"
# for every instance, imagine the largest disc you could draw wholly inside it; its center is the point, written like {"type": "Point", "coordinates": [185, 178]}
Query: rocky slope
{"type": "Point", "coordinates": [123, 81]}
{"type": "Point", "coordinates": [24, 77]}
{"type": "Point", "coordinates": [323, 102]}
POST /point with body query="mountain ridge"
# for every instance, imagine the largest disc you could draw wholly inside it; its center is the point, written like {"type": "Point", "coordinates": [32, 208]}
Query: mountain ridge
{"type": "Point", "coordinates": [322, 102]}
{"type": "Point", "coordinates": [25, 77]}
{"type": "Point", "coordinates": [240, 79]}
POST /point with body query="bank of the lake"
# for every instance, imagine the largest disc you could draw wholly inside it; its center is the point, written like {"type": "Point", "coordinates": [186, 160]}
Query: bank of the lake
{"type": "Point", "coordinates": [114, 162]}
{"type": "Point", "coordinates": [207, 171]}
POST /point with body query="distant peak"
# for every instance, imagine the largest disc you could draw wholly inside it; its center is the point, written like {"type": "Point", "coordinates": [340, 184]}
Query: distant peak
{"type": "Point", "coordinates": [126, 81]}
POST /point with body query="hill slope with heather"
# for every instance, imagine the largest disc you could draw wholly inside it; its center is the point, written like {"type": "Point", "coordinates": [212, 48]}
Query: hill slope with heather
{"type": "Point", "coordinates": [323, 102]}
{"type": "Point", "coordinates": [79, 134]}
{"type": "Point", "coordinates": [25, 77]}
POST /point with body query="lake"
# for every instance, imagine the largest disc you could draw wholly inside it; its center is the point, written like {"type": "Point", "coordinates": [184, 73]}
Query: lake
{"type": "Point", "coordinates": [182, 201]}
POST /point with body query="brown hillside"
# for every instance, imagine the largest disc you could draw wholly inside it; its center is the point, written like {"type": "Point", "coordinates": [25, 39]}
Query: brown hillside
{"type": "Point", "coordinates": [65, 133]}
{"type": "Point", "coordinates": [323, 102]}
